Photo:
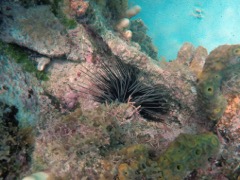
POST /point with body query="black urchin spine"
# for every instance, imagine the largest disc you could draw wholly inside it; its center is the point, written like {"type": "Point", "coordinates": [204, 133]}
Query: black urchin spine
{"type": "Point", "coordinates": [119, 82]}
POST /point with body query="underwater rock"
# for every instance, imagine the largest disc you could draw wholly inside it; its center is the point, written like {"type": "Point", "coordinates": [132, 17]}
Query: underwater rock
{"type": "Point", "coordinates": [229, 130]}
{"type": "Point", "coordinates": [230, 120]}
{"type": "Point", "coordinates": [192, 57]}
{"type": "Point", "coordinates": [198, 60]}
{"type": "Point", "coordinates": [86, 143]}
{"type": "Point", "coordinates": [20, 86]}
{"type": "Point", "coordinates": [98, 136]}
{"type": "Point", "coordinates": [125, 52]}
{"type": "Point", "coordinates": [99, 22]}
{"type": "Point", "coordinates": [82, 135]}
{"type": "Point", "coordinates": [185, 53]}
{"type": "Point", "coordinates": [64, 77]}
{"type": "Point", "coordinates": [19, 89]}
{"type": "Point", "coordinates": [139, 35]}
{"type": "Point", "coordinates": [82, 48]}
{"type": "Point", "coordinates": [70, 100]}
{"type": "Point", "coordinates": [35, 28]}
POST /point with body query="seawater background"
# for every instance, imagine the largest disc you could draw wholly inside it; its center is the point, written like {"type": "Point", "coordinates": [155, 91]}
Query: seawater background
{"type": "Point", "coordinates": [171, 23]}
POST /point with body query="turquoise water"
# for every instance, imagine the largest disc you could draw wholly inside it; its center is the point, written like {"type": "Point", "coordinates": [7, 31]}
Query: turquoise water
{"type": "Point", "coordinates": [206, 23]}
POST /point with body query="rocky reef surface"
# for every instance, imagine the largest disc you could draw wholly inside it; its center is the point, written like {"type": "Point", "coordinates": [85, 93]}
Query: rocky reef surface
{"type": "Point", "coordinates": [83, 96]}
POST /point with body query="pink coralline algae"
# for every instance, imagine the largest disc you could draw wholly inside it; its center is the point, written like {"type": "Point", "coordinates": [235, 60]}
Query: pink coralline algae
{"type": "Point", "coordinates": [79, 6]}
{"type": "Point", "coordinates": [70, 100]}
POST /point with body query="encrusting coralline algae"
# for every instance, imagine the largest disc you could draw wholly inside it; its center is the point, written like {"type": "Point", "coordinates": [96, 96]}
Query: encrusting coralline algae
{"type": "Point", "coordinates": [58, 129]}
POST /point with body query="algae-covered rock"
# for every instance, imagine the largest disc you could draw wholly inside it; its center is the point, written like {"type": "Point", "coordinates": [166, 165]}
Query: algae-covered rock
{"type": "Point", "coordinates": [20, 89]}
{"type": "Point", "coordinates": [186, 52]}
{"type": "Point", "coordinates": [140, 36]}
{"type": "Point", "coordinates": [15, 145]}
{"type": "Point", "coordinates": [35, 28]}
{"type": "Point", "coordinates": [82, 47]}
{"type": "Point", "coordinates": [192, 57]}
{"type": "Point", "coordinates": [198, 60]}
{"type": "Point", "coordinates": [108, 142]}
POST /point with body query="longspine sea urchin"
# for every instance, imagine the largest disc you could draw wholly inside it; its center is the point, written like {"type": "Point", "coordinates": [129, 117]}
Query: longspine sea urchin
{"type": "Point", "coordinates": [119, 82]}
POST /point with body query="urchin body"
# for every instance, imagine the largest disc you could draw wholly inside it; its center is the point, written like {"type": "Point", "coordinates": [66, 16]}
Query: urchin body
{"type": "Point", "coordinates": [119, 82]}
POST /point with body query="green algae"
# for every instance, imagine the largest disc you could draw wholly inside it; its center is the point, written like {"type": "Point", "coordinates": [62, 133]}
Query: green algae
{"type": "Point", "coordinates": [21, 57]}
{"type": "Point", "coordinates": [68, 22]}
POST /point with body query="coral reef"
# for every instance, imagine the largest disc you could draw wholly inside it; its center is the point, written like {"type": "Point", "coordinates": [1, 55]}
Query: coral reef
{"type": "Point", "coordinates": [91, 119]}
{"type": "Point", "coordinates": [198, 60]}
{"type": "Point", "coordinates": [85, 136]}
{"type": "Point", "coordinates": [82, 137]}
{"type": "Point", "coordinates": [30, 3]}
{"type": "Point", "coordinates": [185, 53]}
{"type": "Point", "coordinates": [93, 19]}
{"type": "Point", "coordinates": [64, 10]}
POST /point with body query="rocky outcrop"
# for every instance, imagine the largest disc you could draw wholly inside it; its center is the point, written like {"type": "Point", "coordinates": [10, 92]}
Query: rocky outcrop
{"type": "Point", "coordinates": [81, 46]}
{"type": "Point", "coordinates": [35, 28]}
{"type": "Point", "coordinates": [198, 60]}
{"type": "Point", "coordinates": [86, 142]}
{"type": "Point", "coordinates": [185, 54]}
{"type": "Point", "coordinates": [192, 57]}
